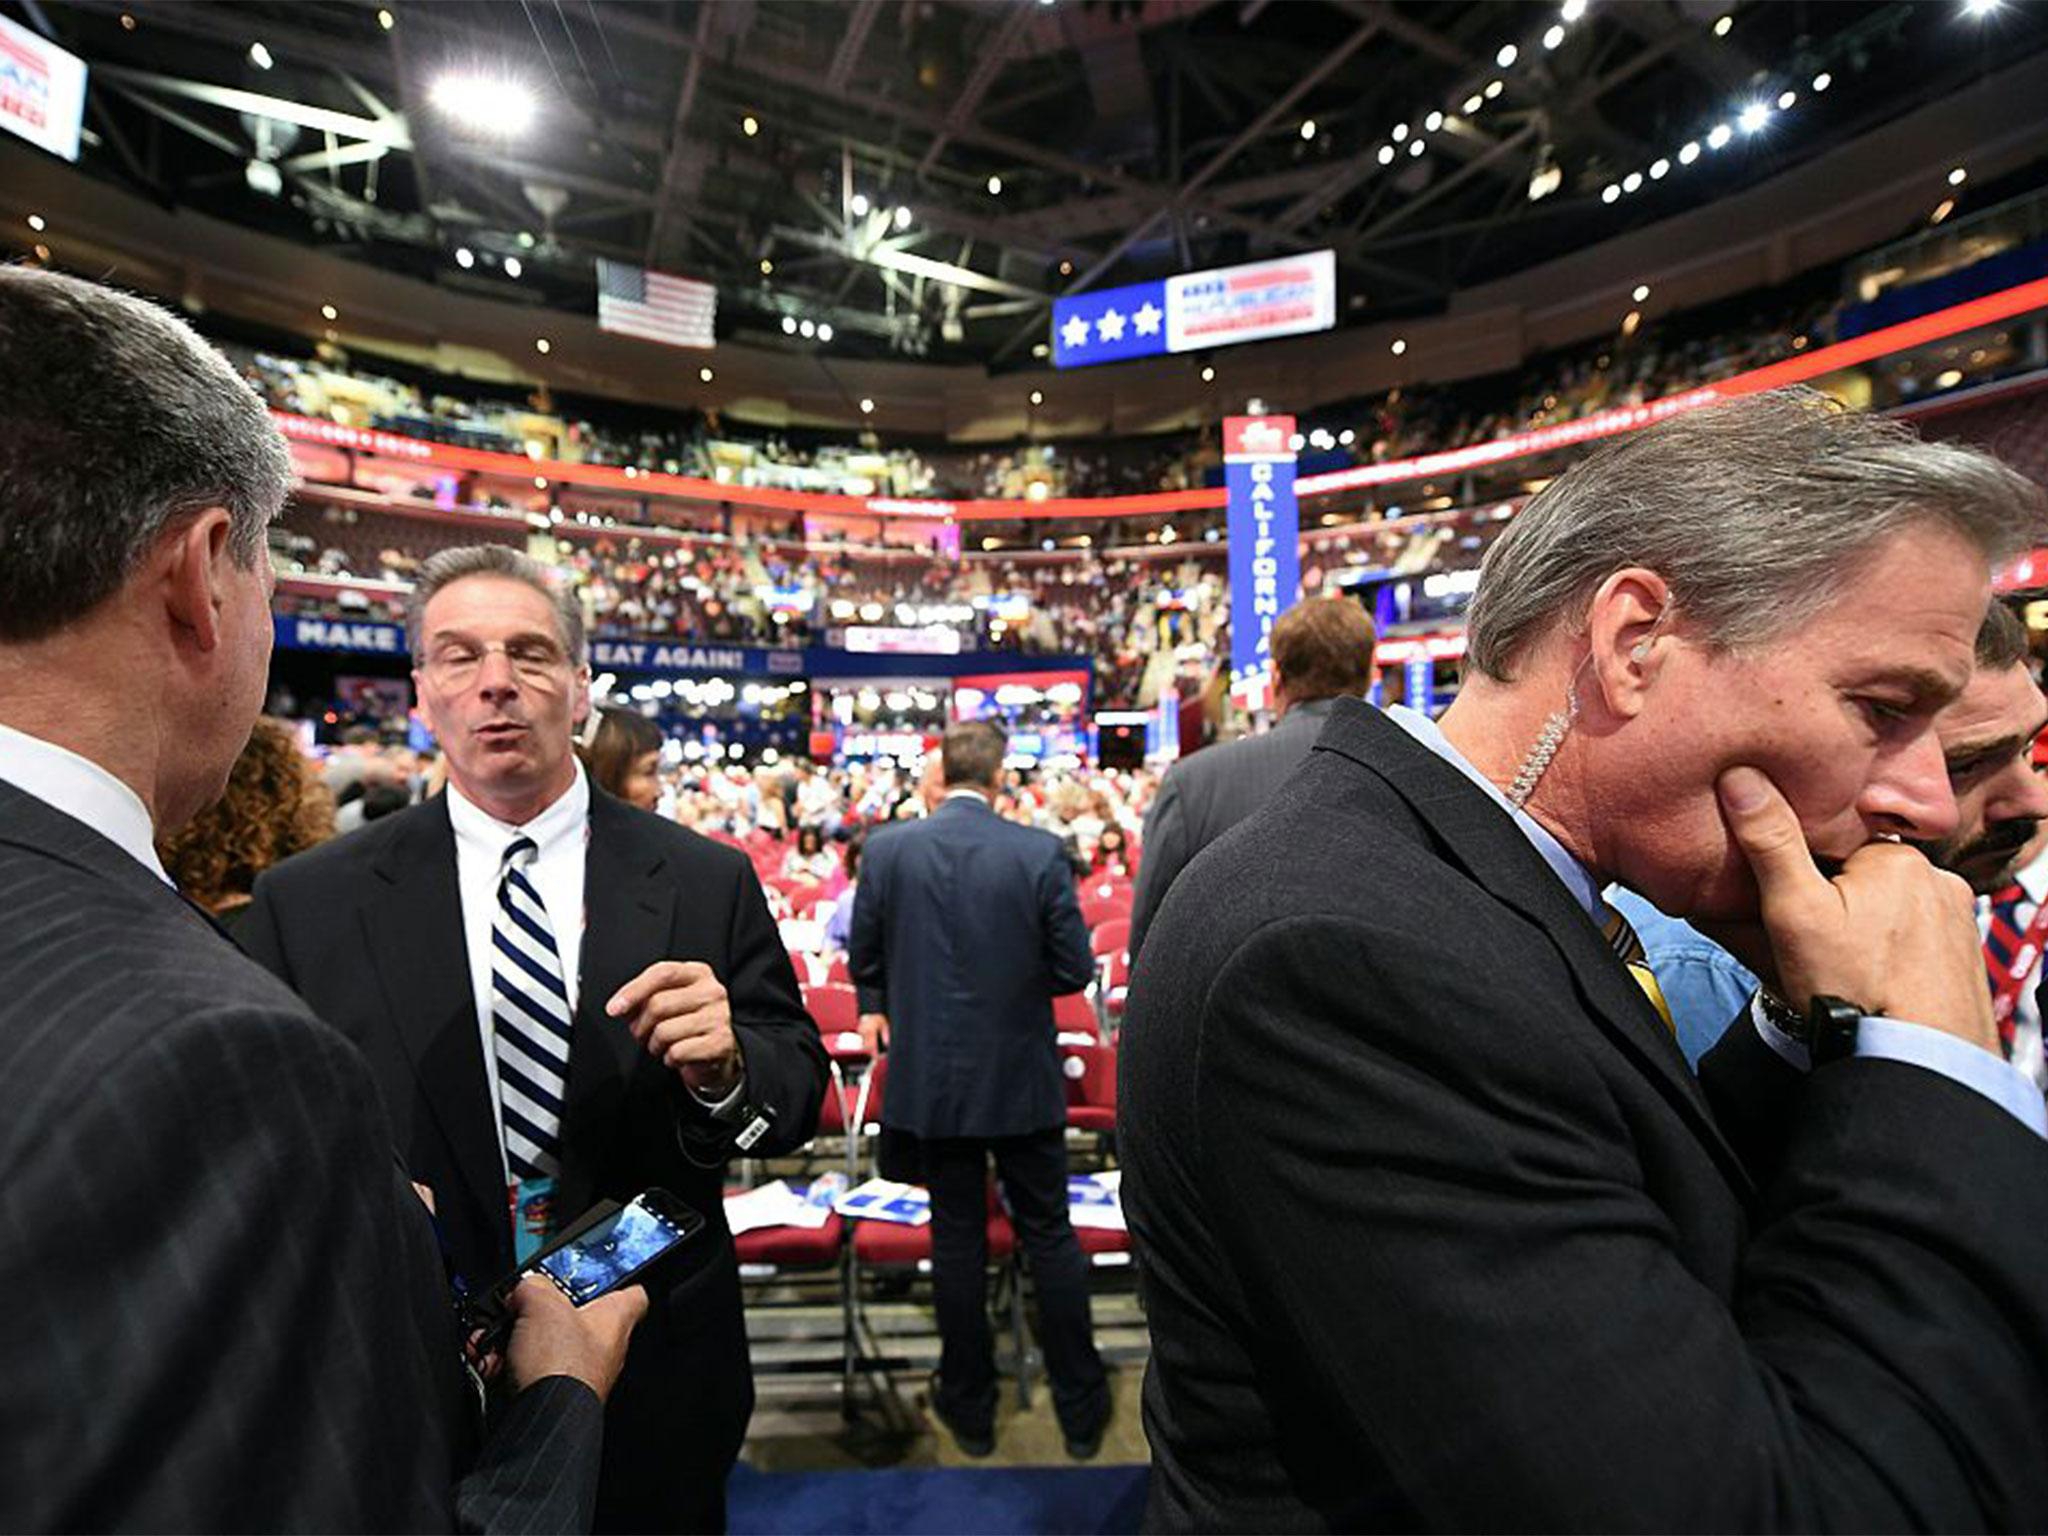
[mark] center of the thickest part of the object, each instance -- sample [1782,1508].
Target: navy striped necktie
[530,1020]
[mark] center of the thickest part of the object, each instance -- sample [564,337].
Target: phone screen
[605,1257]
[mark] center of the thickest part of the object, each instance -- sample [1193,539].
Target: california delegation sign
[1265,527]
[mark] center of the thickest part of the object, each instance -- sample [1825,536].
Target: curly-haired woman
[274,807]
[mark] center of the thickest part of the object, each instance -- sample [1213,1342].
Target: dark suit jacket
[1207,793]
[1438,1231]
[965,927]
[368,928]
[228,1312]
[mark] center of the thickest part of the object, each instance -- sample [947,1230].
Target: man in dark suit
[229,1312]
[1322,652]
[965,929]
[1437,1229]
[563,999]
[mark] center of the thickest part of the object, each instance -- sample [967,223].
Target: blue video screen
[603,1258]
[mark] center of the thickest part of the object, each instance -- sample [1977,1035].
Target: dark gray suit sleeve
[1469,1217]
[538,1470]
[1068,955]
[1755,1094]
[867,939]
[1163,852]
[257,935]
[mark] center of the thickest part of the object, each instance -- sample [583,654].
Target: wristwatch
[1828,1029]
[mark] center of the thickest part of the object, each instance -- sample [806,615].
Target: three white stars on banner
[1109,326]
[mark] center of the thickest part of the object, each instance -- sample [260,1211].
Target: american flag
[634,302]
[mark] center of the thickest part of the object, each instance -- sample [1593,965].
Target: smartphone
[607,1247]
[613,1251]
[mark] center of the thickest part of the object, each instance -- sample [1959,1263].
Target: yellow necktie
[1629,949]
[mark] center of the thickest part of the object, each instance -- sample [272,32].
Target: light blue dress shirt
[1878,1038]
[1707,988]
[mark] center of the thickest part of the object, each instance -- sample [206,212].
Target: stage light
[1554,38]
[1038,397]
[1611,193]
[328,312]
[1399,346]
[1400,133]
[1308,128]
[485,104]
[465,258]
[1434,121]
[1415,148]
[260,56]
[1473,103]
[705,375]
[35,222]
[789,325]
[1822,81]
[1573,10]
[1690,153]
[767,267]
[1720,135]
[386,20]
[1494,88]
[1958,176]
[867,407]
[902,217]
[859,205]
[1631,181]
[1786,99]
[1724,26]
[750,125]
[1642,292]
[995,186]
[824,330]
[1507,55]
[1979,7]
[1660,169]
[1753,117]
[514,266]
[1208,375]
[542,345]
[1386,155]
[806,329]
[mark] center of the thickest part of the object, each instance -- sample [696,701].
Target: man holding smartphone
[229,1309]
[563,999]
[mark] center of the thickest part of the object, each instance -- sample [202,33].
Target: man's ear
[192,562]
[1627,635]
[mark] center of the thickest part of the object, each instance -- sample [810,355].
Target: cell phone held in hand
[608,1247]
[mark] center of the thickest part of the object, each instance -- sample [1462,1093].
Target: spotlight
[767,267]
[1415,148]
[1660,169]
[35,222]
[1979,7]
[1041,350]
[482,104]
[386,20]
[328,312]
[1400,346]
[1611,193]
[1066,269]
[859,205]
[542,345]
[465,258]
[867,407]
[1400,133]
[1573,10]
[1553,38]
[1473,103]
[902,217]
[1786,100]
[1690,153]
[824,330]
[260,56]
[1434,121]
[1631,181]
[1386,155]
[705,375]
[995,186]
[789,325]
[1208,375]
[1308,128]
[1753,117]
[1038,397]
[514,266]
[1507,55]
[1721,134]
[1494,88]
[750,125]
[1724,26]
[1641,293]
[806,329]
[1958,176]
[1822,81]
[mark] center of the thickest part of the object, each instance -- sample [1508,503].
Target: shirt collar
[965,794]
[82,790]
[566,817]
[1576,877]
[2033,879]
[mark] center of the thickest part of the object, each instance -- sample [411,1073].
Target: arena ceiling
[923,177]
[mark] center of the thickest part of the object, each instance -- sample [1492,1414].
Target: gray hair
[1756,511]
[117,421]
[452,565]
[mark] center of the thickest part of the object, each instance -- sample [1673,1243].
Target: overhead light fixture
[1690,153]
[1415,147]
[1724,26]
[263,177]
[1720,136]
[514,266]
[902,216]
[1822,81]
[328,312]
[1041,350]
[1038,397]
[1066,269]
[1347,437]
[1631,181]
[1786,100]
[1308,128]
[705,375]
[42,251]
[260,56]
[1942,210]
[1507,55]
[824,330]
[465,258]
[1573,10]
[1400,346]
[1642,292]
[789,325]
[767,267]
[995,186]
[35,222]
[1208,375]
[1386,155]
[526,239]
[542,345]
[867,407]
[1473,103]
[806,329]
[500,106]
[386,20]
[1958,176]
[1554,38]
[1434,121]
[1753,117]
[859,205]
[1546,180]
[1659,169]
[1979,7]
[1494,88]
[750,125]
[1611,193]
[1400,132]
[1631,321]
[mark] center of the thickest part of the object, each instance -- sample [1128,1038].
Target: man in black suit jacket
[1437,1229]
[229,1311]
[686,1035]
[965,928]
[1322,652]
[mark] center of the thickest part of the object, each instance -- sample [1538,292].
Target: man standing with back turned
[965,928]
[227,1311]
[1438,1231]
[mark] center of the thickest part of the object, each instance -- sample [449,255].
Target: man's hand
[874,1033]
[1891,933]
[553,1337]
[680,1012]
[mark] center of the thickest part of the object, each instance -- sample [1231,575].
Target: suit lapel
[415,933]
[628,915]
[1484,840]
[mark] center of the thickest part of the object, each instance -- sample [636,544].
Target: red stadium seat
[1074,1013]
[836,1012]
[1112,937]
[1116,984]
[1097,910]
[1090,1073]
[837,974]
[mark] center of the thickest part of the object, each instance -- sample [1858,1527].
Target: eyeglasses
[456,663]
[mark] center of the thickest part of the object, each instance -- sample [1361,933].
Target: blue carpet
[942,1501]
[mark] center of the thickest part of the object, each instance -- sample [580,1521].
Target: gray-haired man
[1438,1229]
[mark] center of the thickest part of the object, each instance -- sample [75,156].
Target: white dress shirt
[1879,1038]
[82,790]
[561,834]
